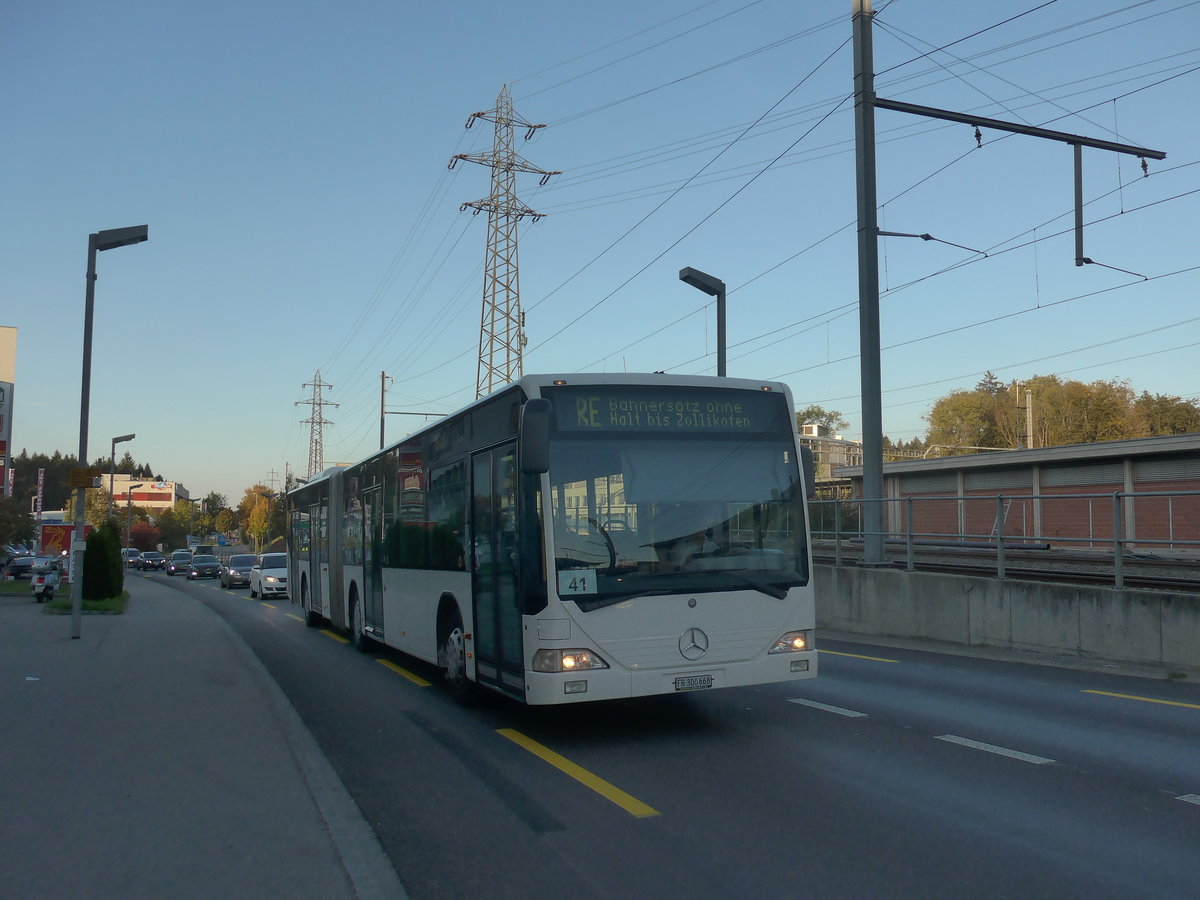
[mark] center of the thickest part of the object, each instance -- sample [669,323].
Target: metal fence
[1160,524]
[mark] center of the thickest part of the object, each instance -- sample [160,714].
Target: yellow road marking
[336,637]
[613,794]
[290,616]
[272,605]
[1145,699]
[858,656]
[415,679]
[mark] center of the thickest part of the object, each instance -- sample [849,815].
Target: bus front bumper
[542,688]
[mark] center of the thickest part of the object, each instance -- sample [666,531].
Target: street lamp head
[121,237]
[697,279]
[124,437]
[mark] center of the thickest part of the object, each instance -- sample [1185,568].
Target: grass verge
[14,588]
[115,605]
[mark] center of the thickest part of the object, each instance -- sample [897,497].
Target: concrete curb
[367,866]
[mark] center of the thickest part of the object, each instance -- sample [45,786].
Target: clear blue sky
[291,162]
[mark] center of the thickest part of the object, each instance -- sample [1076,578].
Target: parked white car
[268,576]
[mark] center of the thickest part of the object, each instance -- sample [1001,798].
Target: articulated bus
[575,537]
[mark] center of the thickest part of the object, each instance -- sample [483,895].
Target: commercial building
[152,495]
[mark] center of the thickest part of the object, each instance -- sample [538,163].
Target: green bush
[95,567]
[103,574]
[116,565]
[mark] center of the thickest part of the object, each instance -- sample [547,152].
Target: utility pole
[865,103]
[316,422]
[502,324]
[383,379]
[1022,439]
[1029,419]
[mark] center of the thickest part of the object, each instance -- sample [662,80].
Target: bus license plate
[693,682]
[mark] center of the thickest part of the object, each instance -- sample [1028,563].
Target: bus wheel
[311,619]
[454,649]
[357,636]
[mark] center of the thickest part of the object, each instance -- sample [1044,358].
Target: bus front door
[316,539]
[373,560]
[497,630]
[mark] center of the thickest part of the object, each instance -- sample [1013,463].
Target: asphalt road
[893,774]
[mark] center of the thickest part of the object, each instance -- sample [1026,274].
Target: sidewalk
[156,757]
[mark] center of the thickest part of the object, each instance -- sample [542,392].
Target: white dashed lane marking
[851,713]
[992,748]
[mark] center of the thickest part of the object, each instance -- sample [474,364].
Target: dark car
[152,559]
[179,563]
[20,568]
[237,570]
[204,566]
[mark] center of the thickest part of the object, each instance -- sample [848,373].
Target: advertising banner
[56,539]
[6,410]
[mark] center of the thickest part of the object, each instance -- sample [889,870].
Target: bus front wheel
[454,652]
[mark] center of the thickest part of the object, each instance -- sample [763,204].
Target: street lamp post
[99,241]
[192,514]
[129,509]
[714,287]
[112,467]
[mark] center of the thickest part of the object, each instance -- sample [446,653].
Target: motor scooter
[44,581]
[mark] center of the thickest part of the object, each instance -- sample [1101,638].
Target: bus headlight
[566,661]
[792,642]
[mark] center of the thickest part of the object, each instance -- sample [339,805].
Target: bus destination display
[605,408]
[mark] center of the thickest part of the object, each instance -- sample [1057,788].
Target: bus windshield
[675,511]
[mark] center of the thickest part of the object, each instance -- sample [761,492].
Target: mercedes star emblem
[693,643]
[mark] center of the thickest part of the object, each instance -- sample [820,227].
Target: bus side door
[494,565]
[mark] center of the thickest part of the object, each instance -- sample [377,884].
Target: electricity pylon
[502,324]
[316,422]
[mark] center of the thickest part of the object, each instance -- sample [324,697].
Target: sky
[291,161]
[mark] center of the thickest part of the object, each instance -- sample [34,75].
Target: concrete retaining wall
[1147,627]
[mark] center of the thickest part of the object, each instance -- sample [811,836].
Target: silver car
[236,572]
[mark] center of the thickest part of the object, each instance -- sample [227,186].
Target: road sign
[84,477]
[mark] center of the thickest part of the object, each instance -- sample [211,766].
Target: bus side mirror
[809,466]
[534,436]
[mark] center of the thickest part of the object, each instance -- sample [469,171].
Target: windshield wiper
[609,599]
[769,588]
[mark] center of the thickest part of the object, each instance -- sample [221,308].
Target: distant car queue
[265,574]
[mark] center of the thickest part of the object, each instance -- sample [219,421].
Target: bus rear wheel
[311,619]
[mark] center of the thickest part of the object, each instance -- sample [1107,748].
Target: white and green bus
[575,537]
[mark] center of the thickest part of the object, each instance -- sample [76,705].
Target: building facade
[151,495]
[1144,491]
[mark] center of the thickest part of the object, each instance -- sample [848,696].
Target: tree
[15,523]
[990,384]
[144,536]
[1155,414]
[172,530]
[1063,412]
[817,415]
[963,419]
[214,503]
[226,521]
[95,506]
[257,524]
